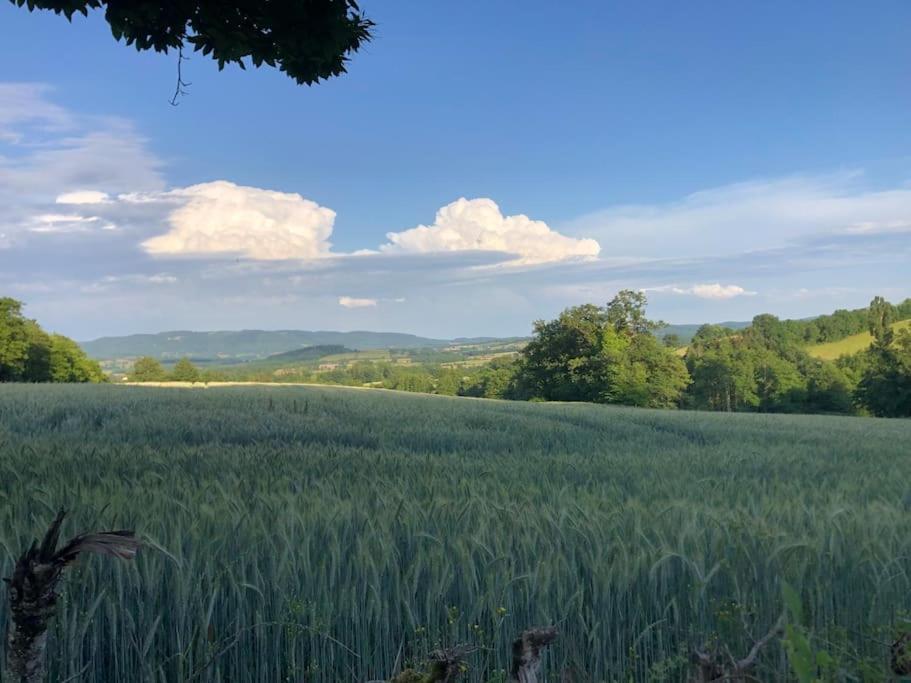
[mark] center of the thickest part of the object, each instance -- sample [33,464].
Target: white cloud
[223,218]
[83,197]
[352,302]
[58,223]
[713,290]
[49,156]
[750,216]
[28,104]
[478,225]
[719,291]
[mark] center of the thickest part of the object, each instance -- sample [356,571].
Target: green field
[323,534]
[850,345]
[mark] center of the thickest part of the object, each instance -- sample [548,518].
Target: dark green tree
[885,388]
[308,40]
[147,369]
[185,371]
[601,355]
[881,317]
[723,374]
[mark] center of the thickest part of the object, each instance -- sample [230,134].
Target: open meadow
[329,534]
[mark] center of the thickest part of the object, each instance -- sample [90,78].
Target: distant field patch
[849,345]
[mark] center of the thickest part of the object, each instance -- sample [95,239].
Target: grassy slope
[849,345]
[357,519]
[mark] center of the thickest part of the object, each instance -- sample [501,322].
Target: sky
[482,165]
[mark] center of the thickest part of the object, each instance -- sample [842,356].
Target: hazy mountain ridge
[245,343]
[255,344]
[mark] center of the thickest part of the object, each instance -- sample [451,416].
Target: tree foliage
[762,368]
[602,355]
[885,386]
[308,40]
[29,354]
[147,369]
[185,371]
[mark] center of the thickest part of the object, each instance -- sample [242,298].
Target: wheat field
[325,534]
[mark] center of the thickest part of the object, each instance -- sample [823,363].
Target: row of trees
[148,369]
[29,354]
[610,355]
[840,324]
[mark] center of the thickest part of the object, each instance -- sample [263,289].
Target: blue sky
[728,158]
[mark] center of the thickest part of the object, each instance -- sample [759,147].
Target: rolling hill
[225,346]
[244,344]
[849,345]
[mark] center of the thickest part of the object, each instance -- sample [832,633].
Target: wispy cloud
[713,290]
[353,302]
[750,216]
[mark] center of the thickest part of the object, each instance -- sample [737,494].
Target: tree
[881,315]
[14,341]
[38,360]
[723,375]
[495,380]
[68,362]
[885,388]
[626,313]
[601,355]
[672,341]
[309,40]
[185,371]
[147,369]
[29,354]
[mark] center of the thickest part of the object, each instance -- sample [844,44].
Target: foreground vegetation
[323,534]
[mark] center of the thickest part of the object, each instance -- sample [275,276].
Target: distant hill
[849,345]
[687,332]
[245,344]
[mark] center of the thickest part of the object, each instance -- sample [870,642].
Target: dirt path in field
[215,385]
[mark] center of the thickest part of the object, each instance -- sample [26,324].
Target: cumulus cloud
[223,218]
[352,302]
[713,290]
[478,225]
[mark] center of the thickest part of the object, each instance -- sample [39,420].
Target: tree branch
[526,653]
[32,591]
[181,89]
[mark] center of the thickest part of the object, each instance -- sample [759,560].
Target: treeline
[840,324]
[611,354]
[29,354]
